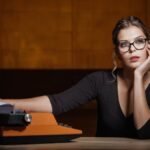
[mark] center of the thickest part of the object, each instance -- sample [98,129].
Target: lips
[134,58]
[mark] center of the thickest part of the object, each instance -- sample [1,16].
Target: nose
[132,48]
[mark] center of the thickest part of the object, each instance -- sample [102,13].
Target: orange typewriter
[18,127]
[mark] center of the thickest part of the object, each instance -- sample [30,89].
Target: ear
[117,60]
[117,54]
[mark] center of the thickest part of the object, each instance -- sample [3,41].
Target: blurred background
[47,46]
[62,34]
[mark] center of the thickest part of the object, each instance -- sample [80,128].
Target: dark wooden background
[62,34]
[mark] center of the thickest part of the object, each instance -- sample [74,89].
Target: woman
[123,98]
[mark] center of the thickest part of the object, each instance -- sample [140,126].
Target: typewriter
[19,127]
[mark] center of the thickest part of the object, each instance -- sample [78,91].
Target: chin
[134,65]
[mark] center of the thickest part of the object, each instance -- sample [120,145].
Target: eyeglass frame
[130,44]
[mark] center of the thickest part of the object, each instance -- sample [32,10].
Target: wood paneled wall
[62,34]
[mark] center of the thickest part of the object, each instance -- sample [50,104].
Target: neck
[128,76]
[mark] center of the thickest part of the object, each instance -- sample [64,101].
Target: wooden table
[86,143]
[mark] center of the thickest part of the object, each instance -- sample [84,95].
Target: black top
[103,87]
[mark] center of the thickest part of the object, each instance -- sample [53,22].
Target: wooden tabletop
[87,143]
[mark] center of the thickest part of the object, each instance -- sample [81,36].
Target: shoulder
[101,75]
[105,76]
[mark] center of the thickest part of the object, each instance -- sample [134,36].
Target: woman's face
[132,55]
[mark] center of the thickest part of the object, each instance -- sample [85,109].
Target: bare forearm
[141,108]
[36,104]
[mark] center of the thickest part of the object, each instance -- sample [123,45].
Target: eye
[124,44]
[139,41]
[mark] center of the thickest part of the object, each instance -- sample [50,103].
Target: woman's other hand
[145,66]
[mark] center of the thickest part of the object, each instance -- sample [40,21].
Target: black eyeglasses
[139,44]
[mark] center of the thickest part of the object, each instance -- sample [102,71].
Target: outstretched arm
[36,104]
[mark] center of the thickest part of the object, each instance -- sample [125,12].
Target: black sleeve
[144,132]
[82,92]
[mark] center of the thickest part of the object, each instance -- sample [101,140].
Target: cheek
[143,54]
[123,59]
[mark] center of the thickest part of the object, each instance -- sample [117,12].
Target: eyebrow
[134,39]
